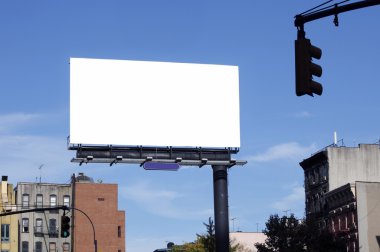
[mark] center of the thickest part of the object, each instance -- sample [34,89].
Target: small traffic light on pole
[65,226]
[305,68]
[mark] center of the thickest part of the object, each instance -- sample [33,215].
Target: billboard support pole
[222,239]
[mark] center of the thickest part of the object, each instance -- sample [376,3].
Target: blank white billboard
[125,102]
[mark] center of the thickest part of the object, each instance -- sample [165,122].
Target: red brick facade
[100,203]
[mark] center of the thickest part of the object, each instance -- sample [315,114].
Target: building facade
[331,188]
[354,215]
[334,167]
[100,203]
[342,217]
[39,230]
[8,224]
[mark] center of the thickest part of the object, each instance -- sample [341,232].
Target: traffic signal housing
[65,226]
[306,69]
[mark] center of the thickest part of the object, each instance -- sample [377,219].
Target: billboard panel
[125,102]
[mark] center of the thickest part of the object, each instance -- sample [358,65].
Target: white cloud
[294,201]
[21,156]
[9,121]
[161,202]
[292,150]
[302,114]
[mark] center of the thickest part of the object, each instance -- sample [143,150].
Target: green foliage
[205,242]
[288,234]
[208,239]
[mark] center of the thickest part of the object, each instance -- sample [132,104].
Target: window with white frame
[53,200]
[52,247]
[25,200]
[38,226]
[39,201]
[66,200]
[66,247]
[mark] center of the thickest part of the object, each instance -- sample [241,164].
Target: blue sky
[278,129]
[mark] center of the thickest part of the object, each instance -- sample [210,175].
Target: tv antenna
[40,168]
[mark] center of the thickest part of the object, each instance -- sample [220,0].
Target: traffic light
[65,226]
[305,68]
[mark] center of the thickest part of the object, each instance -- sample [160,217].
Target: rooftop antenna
[40,168]
[233,224]
[335,138]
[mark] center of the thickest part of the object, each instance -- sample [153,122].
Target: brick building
[354,215]
[100,203]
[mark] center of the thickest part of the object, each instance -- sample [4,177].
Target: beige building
[9,224]
[247,239]
[39,231]
[338,202]
[334,167]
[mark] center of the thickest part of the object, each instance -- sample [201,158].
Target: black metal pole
[222,232]
[302,19]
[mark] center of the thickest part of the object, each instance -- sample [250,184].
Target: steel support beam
[222,231]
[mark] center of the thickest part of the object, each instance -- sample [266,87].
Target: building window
[5,232]
[66,247]
[53,200]
[25,200]
[25,225]
[119,231]
[25,246]
[39,201]
[38,226]
[53,227]
[38,247]
[66,200]
[52,247]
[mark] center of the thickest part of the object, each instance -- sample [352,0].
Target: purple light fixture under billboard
[161,166]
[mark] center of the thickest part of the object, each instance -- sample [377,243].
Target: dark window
[38,247]
[53,227]
[5,232]
[25,246]
[25,225]
[119,231]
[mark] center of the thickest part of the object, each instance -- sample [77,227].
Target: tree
[282,235]
[208,239]
[205,242]
[286,234]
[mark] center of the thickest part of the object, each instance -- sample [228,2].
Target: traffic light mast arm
[93,228]
[42,209]
[302,19]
